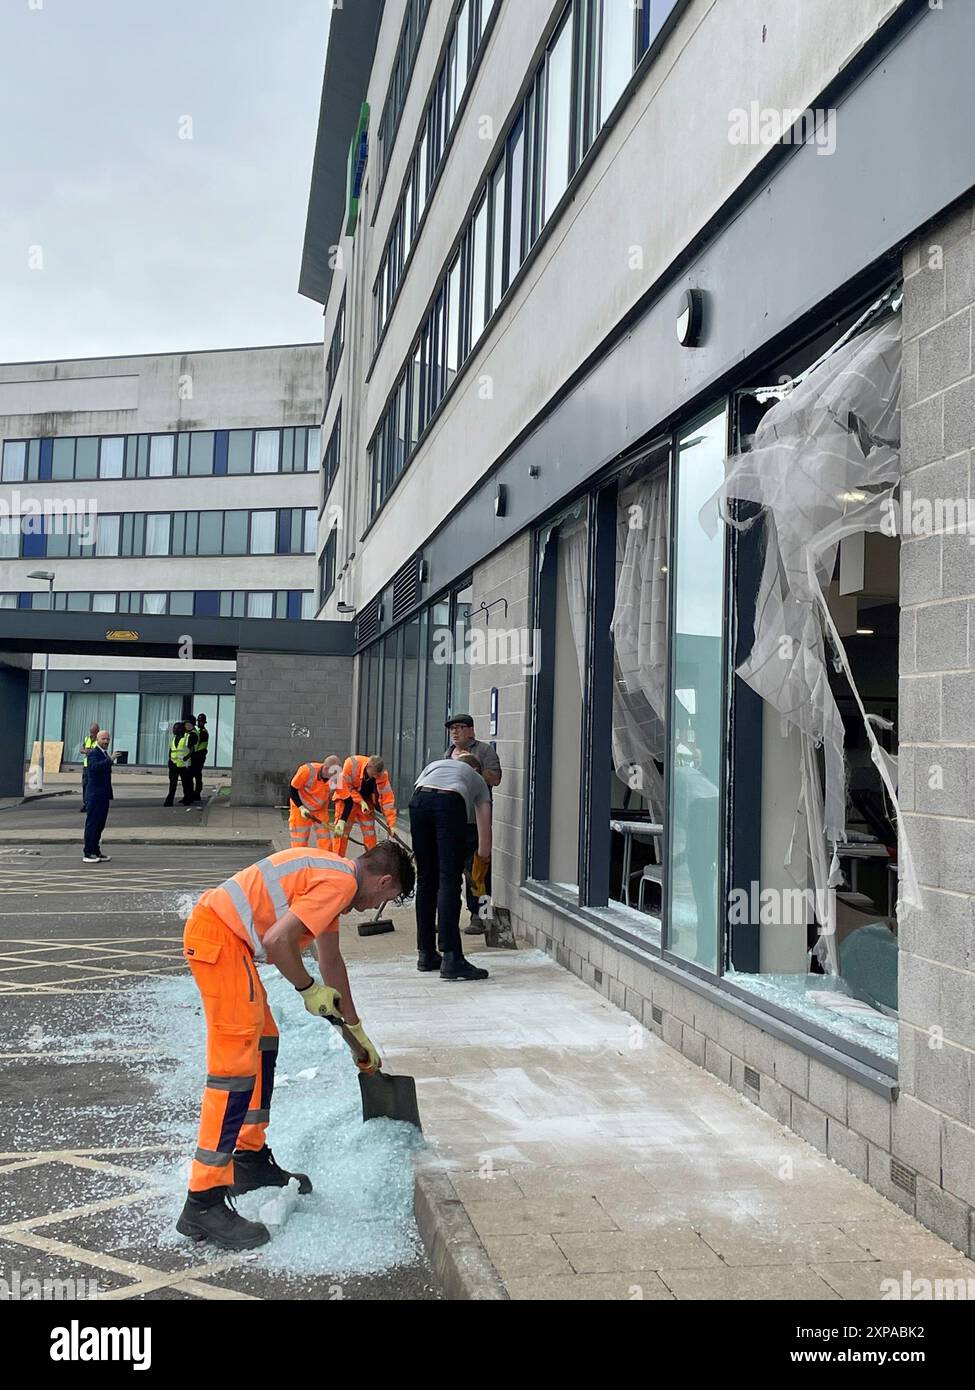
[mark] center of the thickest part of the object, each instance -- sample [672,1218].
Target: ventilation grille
[367,623]
[657,1014]
[406,588]
[166,682]
[902,1177]
[753,1079]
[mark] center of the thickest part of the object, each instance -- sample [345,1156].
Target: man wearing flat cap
[460,730]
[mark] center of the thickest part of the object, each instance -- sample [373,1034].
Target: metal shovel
[384,1097]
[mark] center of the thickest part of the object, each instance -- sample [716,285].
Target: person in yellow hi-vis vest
[311,803]
[181,748]
[363,786]
[87,744]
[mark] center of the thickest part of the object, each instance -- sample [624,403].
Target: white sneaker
[104,858]
[90,859]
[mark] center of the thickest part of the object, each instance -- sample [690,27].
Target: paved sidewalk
[138,816]
[573,1154]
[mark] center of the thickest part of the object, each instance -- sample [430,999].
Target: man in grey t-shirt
[449,794]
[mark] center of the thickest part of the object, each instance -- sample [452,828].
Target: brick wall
[934,1128]
[290,710]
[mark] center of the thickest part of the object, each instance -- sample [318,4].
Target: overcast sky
[148,242]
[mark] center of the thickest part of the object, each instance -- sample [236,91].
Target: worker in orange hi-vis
[311,802]
[272,911]
[363,787]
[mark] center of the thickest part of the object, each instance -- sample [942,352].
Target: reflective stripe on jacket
[311,786]
[349,787]
[319,885]
[179,751]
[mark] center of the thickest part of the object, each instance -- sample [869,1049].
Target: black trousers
[84,786]
[438,827]
[97,815]
[184,776]
[198,760]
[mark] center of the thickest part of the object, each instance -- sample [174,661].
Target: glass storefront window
[460,680]
[697,712]
[224,742]
[156,718]
[438,654]
[125,735]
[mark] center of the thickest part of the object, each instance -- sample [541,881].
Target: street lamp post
[48,577]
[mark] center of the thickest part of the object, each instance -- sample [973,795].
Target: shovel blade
[389,1098]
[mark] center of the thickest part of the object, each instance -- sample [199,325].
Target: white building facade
[584,265]
[181,484]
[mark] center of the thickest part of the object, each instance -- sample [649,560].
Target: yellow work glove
[373,1062]
[364,807]
[479,871]
[305,814]
[322,1000]
[339,829]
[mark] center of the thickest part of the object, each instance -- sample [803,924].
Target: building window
[111,459]
[558,115]
[697,711]
[157,533]
[327,567]
[14,462]
[437,122]
[160,456]
[335,349]
[333,454]
[267,451]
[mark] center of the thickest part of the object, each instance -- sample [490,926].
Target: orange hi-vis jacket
[349,788]
[315,791]
[317,886]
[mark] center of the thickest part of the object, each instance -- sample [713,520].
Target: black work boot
[429,960]
[457,967]
[253,1170]
[212,1216]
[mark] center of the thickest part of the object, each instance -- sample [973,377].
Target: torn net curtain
[824,464]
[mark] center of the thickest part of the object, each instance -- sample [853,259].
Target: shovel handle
[358,1051]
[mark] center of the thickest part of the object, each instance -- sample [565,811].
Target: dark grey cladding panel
[903,153]
[353,30]
[213,639]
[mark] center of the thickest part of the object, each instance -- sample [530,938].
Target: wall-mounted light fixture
[345,607]
[690,318]
[501,500]
[86,680]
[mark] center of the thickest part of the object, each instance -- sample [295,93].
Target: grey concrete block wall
[933,1129]
[290,710]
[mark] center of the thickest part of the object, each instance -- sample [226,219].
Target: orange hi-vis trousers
[301,829]
[242,1048]
[368,825]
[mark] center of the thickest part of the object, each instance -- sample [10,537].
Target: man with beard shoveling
[272,911]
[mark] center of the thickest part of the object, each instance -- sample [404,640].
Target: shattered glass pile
[358,1220]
